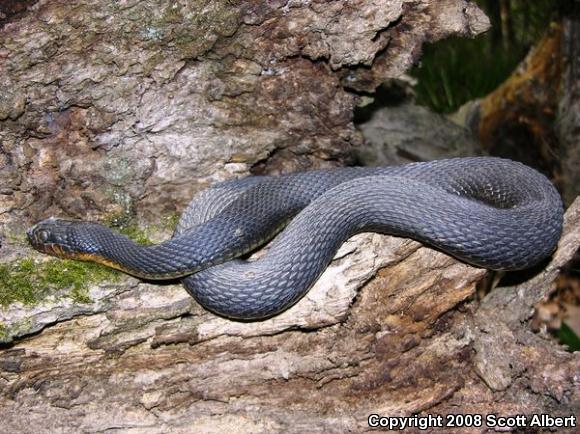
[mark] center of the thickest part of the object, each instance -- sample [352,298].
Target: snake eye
[43,236]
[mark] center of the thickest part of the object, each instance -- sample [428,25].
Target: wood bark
[132,106]
[407,133]
[517,120]
[533,116]
[569,107]
[414,339]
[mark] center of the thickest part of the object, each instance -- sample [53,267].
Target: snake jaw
[52,237]
[50,249]
[65,239]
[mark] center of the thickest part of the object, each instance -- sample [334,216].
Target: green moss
[458,70]
[134,232]
[170,222]
[125,224]
[198,33]
[75,276]
[3,332]
[16,283]
[28,282]
[172,14]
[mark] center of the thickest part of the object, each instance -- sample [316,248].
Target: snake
[489,212]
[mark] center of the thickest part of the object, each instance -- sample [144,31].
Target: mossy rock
[29,282]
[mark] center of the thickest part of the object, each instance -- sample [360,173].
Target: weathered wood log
[133,106]
[568,117]
[147,357]
[517,120]
[407,132]
[532,116]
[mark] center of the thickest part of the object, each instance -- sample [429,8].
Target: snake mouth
[57,237]
[49,238]
[51,249]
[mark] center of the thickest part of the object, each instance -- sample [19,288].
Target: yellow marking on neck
[58,251]
[91,257]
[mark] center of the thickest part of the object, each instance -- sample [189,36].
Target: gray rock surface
[407,132]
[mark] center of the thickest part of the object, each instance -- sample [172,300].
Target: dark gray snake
[489,212]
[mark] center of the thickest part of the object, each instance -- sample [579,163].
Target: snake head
[63,238]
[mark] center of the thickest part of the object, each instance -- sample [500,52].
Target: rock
[406,133]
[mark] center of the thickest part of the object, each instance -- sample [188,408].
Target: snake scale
[489,212]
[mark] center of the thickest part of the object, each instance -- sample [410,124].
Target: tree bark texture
[533,116]
[132,107]
[114,106]
[146,357]
[569,108]
[407,133]
[518,119]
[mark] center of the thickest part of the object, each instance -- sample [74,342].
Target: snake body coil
[490,212]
